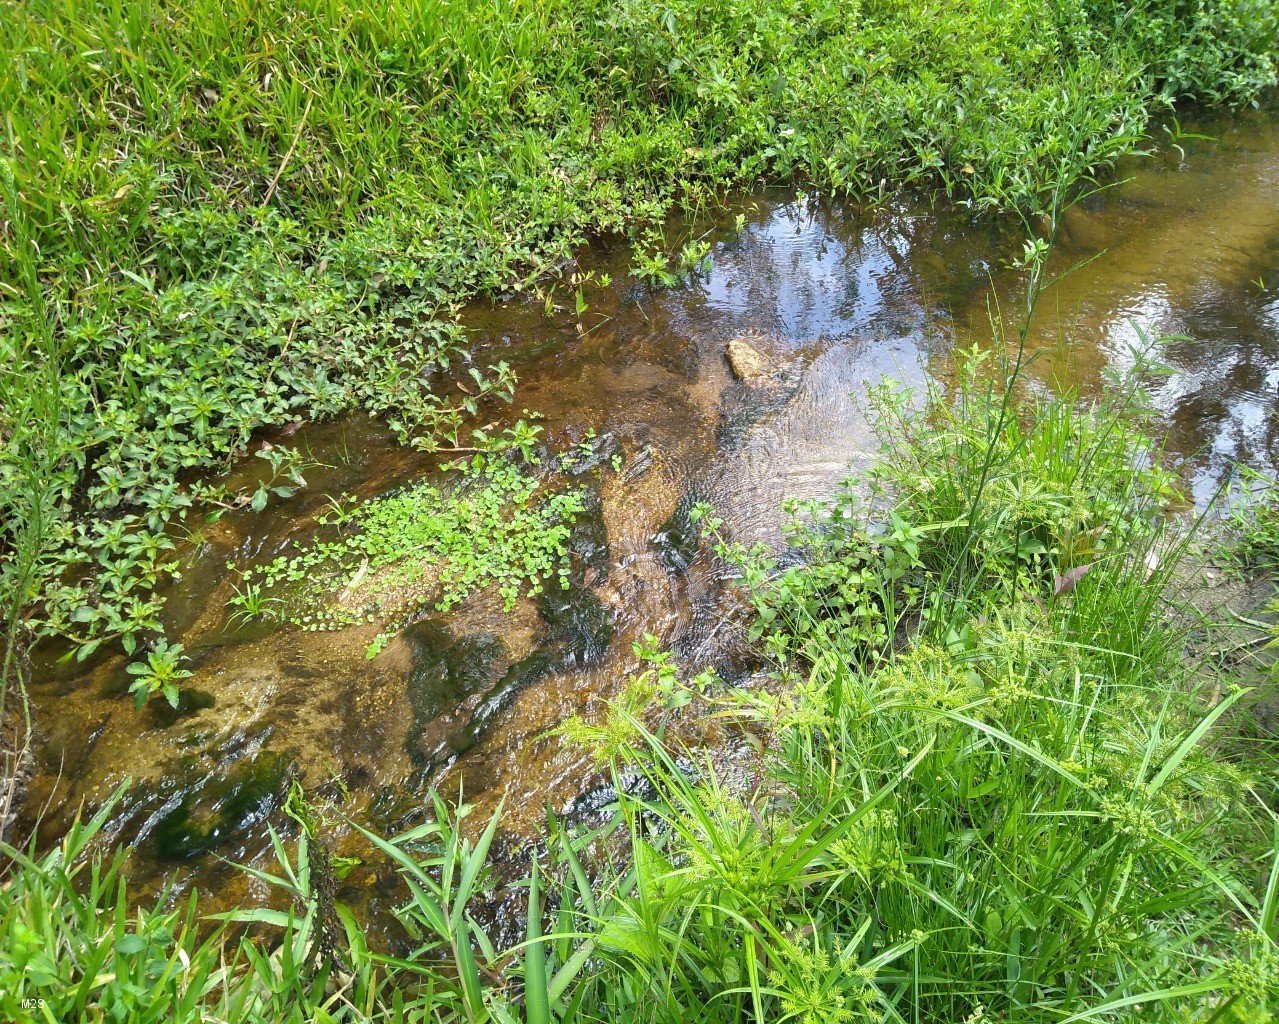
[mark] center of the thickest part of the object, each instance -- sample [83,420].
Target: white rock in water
[745,360]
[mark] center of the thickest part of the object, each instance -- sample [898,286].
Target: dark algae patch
[445,672]
[577,631]
[223,807]
[678,539]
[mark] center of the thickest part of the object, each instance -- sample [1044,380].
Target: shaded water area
[833,296]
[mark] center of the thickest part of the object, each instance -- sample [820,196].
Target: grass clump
[1251,543]
[991,786]
[1014,499]
[1252,523]
[74,949]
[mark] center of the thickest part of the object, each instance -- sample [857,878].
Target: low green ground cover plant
[190,381]
[490,521]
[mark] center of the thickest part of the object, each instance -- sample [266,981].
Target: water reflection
[1187,248]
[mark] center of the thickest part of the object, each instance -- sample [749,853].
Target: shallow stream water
[834,296]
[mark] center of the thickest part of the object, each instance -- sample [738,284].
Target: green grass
[994,645]
[1252,523]
[448,130]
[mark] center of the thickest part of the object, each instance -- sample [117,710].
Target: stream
[834,296]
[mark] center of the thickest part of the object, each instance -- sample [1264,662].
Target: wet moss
[588,541]
[580,627]
[224,807]
[446,670]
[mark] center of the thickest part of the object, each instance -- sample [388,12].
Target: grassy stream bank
[990,781]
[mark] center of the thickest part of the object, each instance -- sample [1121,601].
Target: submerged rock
[67,742]
[745,360]
[580,626]
[678,539]
[600,454]
[588,542]
[755,398]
